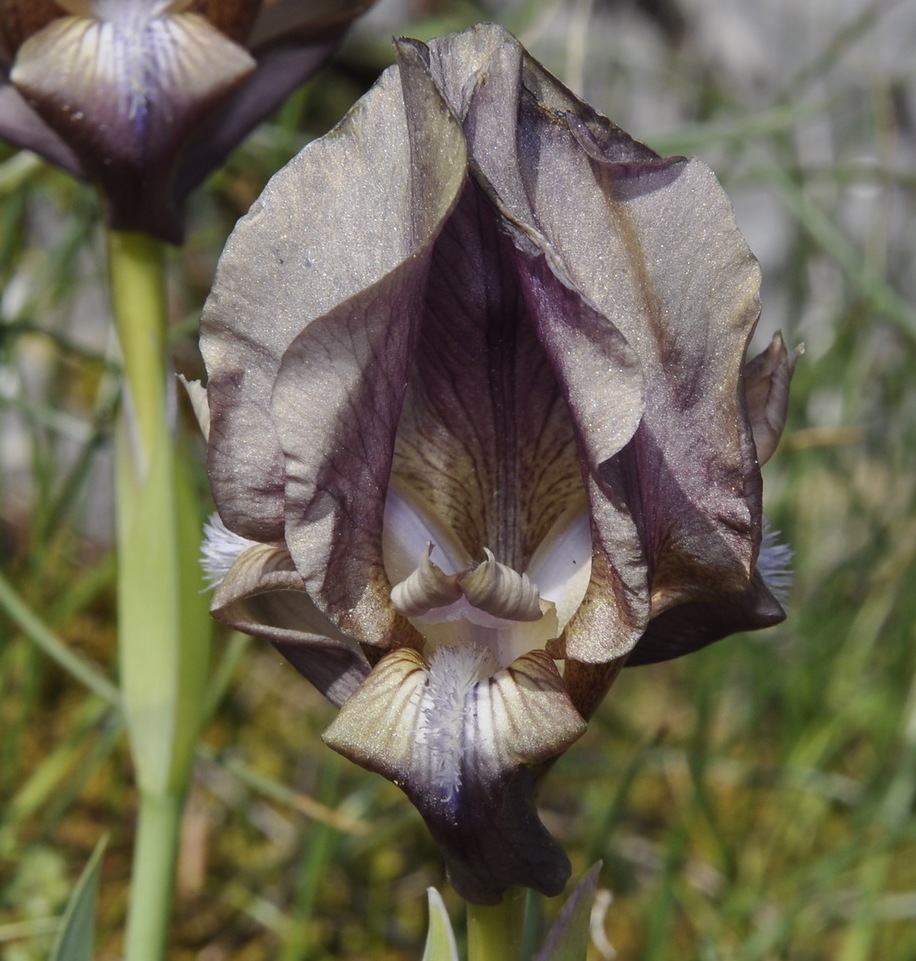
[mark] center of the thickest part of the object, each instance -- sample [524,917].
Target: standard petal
[653,244]
[125,93]
[679,283]
[602,385]
[356,259]
[263,595]
[487,438]
[462,748]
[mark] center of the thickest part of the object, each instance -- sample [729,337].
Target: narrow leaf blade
[76,938]
[569,934]
[440,939]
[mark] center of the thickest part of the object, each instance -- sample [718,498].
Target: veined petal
[262,594]
[586,387]
[426,588]
[653,244]
[291,40]
[501,592]
[689,626]
[326,324]
[462,745]
[22,18]
[766,392]
[125,93]
[488,436]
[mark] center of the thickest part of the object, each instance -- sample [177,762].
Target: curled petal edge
[263,595]
[466,751]
[766,393]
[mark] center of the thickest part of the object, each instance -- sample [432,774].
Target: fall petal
[291,40]
[690,626]
[766,392]
[262,594]
[125,93]
[20,125]
[462,748]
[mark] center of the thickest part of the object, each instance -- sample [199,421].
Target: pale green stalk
[163,626]
[495,931]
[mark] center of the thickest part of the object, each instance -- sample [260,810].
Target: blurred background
[752,802]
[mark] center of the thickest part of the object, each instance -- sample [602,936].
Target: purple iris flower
[482,431]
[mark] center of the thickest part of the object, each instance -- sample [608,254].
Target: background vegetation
[753,802]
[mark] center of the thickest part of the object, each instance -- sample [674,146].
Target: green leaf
[440,939]
[76,938]
[569,934]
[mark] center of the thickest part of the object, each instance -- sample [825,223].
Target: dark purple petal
[332,292]
[653,244]
[465,754]
[263,595]
[125,94]
[280,70]
[485,439]
[688,627]
[20,125]
[603,392]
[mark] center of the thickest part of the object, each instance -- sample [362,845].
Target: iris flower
[481,431]
[146,97]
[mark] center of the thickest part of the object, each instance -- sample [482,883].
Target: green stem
[495,931]
[137,278]
[155,850]
[163,626]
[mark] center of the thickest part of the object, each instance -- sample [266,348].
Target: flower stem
[163,626]
[153,876]
[495,931]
